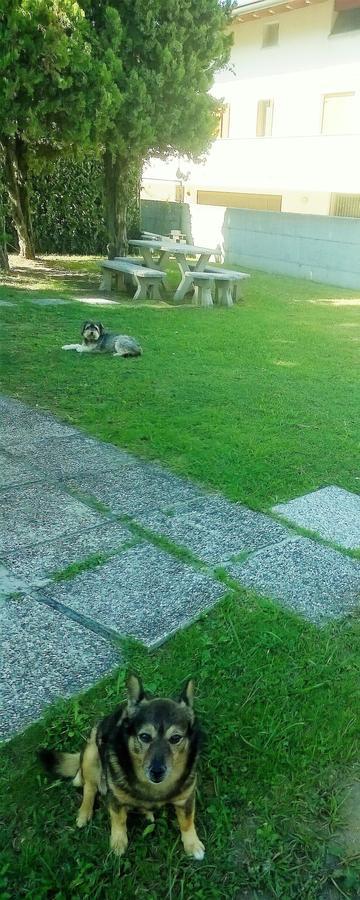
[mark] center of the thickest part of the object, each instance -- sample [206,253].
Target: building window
[347,16]
[271,35]
[338,114]
[224,122]
[345,205]
[264,121]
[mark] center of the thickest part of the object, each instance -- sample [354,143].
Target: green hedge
[67,209]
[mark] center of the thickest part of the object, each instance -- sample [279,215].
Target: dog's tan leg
[185,816]
[86,809]
[91,777]
[118,837]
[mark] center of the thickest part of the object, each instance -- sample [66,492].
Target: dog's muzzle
[157,772]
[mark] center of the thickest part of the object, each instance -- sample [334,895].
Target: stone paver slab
[36,513]
[36,564]
[8,583]
[144,593]
[22,426]
[332,512]
[140,486]
[45,657]
[214,529]
[49,301]
[310,579]
[14,471]
[67,457]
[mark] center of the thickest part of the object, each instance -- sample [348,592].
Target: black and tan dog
[142,756]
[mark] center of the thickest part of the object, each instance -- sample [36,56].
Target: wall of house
[297,161]
[317,248]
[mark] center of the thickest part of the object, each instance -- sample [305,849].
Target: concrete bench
[233,291]
[203,284]
[148,282]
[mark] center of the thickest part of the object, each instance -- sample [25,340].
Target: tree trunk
[120,185]
[17,185]
[4,261]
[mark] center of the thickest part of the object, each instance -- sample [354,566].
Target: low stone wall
[318,248]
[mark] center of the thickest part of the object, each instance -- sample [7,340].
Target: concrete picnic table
[167,249]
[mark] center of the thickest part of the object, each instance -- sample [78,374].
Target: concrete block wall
[318,248]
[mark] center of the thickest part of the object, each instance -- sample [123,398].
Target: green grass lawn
[262,402]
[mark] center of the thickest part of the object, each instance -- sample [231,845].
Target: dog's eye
[175,738]
[144,737]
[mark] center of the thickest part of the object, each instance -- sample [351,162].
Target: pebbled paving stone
[332,512]
[37,513]
[34,565]
[22,427]
[144,593]
[45,657]
[75,455]
[49,301]
[9,584]
[140,486]
[214,529]
[14,471]
[315,581]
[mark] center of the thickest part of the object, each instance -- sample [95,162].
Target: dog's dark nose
[157,771]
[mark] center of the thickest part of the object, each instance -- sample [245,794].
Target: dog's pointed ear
[100,327]
[187,694]
[84,324]
[135,691]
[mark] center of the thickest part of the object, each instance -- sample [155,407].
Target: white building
[290,133]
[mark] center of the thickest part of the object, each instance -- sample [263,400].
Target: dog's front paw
[118,842]
[84,816]
[194,847]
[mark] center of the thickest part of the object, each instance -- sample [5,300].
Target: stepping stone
[214,529]
[6,303]
[33,514]
[332,512]
[77,454]
[96,301]
[35,565]
[45,657]
[50,301]
[140,486]
[22,427]
[310,579]
[15,472]
[8,584]
[144,593]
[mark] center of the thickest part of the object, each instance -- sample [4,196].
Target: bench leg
[106,280]
[223,293]
[141,288]
[156,290]
[238,291]
[120,281]
[203,296]
[185,286]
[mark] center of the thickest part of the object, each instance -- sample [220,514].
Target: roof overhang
[259,9]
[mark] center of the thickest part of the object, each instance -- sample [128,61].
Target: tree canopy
[130,78]
[55,94]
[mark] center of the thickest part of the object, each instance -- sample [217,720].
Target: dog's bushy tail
[64,764]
